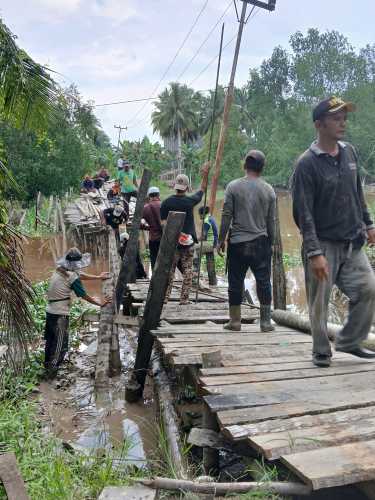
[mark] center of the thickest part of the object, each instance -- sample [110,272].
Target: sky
[116,50]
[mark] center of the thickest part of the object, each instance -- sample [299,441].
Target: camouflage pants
[185,256]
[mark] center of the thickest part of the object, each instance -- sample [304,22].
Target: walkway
[266,393]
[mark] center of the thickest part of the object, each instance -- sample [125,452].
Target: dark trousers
[127,196]
[256,255]
[154,250]
[56,336]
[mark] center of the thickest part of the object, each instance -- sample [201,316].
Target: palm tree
[176,116]
[28,95]
[28,98]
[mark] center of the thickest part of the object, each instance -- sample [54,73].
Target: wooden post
[210,455]
[50,205]
[37,209]
[114,266]
[154,304]
[102,370]
[62,225]
[227,106]
[211,271]
[278,271]
[11,478]
[128,265]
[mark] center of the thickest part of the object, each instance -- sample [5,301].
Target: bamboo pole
[227,106]
[209,159]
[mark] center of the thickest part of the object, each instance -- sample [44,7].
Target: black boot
[265,319]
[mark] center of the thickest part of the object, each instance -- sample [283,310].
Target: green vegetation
[49,470]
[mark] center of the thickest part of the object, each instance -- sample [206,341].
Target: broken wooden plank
[288,409]
[245,378]
[334,466]
[11,477]
[238,432]
[275,444]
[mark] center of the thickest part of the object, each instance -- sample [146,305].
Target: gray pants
[350,270]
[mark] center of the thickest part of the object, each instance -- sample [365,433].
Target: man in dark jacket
[181,202]
[330,210]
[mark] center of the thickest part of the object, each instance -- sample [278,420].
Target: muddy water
[39,258]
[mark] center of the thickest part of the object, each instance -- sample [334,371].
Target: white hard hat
[153,190]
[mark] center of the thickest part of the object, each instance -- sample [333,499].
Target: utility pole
[270,5]
[120,129]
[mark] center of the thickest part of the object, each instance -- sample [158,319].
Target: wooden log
[278,271]
[128,265]
[11,478]
[169,417]
[300,322]
[154,303]
[219,489]
[210,455]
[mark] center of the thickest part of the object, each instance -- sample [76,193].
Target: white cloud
[117,11]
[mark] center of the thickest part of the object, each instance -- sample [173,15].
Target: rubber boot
[265,319]
[235,319]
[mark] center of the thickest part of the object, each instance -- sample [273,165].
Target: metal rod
[209,155]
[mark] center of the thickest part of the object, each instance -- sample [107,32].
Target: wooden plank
[222,338]
[11,478]
[334,466]
[319,390]
[221,380]
[288,409]
[274,366]
[244,357]
[239,432]
[275,444]
[175,331]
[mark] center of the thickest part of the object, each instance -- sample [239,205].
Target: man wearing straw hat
[63,282]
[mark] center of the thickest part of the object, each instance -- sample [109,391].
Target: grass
[48,469]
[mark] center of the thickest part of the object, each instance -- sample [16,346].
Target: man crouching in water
[65,280]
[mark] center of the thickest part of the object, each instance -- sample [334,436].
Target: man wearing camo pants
[181,202]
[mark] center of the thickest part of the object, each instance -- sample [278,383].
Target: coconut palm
[175,116]
[28,98]
[28,95]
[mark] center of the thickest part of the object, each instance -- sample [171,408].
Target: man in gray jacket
[330,210]
[249,216]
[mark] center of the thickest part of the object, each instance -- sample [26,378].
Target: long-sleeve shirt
[250,209]
[328,199]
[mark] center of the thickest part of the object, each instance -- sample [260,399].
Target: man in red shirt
[151,214]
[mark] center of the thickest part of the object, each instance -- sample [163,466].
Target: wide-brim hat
[74,259]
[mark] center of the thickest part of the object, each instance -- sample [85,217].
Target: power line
[133,100]
[204,41]
[225,46]
[173,59]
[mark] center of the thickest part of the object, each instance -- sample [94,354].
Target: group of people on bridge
[329,209]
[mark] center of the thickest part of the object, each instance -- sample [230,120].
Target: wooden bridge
[265,393]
